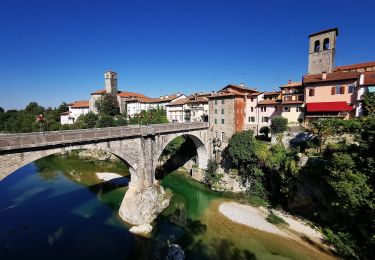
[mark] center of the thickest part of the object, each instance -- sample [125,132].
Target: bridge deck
[40,139]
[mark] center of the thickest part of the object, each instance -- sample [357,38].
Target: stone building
[129,103]
[322,50]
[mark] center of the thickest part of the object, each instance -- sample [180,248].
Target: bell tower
[110,78]
[322,50]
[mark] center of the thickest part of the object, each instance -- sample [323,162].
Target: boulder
[142,206]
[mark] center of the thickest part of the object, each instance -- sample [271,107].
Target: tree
[369,104]
[34,109]
[106,105]
[89,120]
[105,121]
[2,110]
[279,124]
[265,130]
[63,108]
[349,185]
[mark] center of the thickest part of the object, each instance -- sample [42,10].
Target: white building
[76,109]
[193,108]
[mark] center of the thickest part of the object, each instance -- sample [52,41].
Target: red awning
[328,107]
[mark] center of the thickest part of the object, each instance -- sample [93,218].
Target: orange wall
[239,113]
[323,93]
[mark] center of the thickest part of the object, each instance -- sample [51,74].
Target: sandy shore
[253,217]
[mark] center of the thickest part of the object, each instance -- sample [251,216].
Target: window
[251,119]
[263,109]
[215,111]
[300,98]
[222,111]
[311,92]
[299,109]
[252,99]
[351,89]
[222,121]
[222,136]
[215,121]
[265,119]
[275,108]
[338,90]
[222,101]
[317,46]
[215,101]
[287,98]
[252,109]
[326,44]
[286,109]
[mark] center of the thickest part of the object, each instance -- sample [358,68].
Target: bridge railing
[38,139]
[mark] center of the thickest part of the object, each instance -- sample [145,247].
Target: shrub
[343,243]
[279,124]
[276,220]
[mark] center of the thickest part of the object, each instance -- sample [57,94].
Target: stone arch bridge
[140,147]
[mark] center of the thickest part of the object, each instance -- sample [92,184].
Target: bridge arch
[200,146]
[13,162]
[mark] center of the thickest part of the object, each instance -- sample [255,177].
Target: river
[56,208]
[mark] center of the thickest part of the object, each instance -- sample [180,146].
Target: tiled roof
[168,98]
[179,102]
[292,84]
[355,66]
[334,76]
[81,104]
[369,78]
[241,88]
[142,100]
[269,102]
[192,99]
[98,92]
[129,94]
[290,102]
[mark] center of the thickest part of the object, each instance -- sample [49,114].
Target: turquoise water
[56,208]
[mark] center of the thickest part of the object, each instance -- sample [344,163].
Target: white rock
[141,229]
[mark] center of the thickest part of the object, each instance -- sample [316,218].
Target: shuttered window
[311,92]
[333,90]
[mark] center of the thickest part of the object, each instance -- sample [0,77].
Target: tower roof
[326,31]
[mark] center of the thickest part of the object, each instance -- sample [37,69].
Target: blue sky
[54,51]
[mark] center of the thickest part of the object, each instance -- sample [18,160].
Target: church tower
[322,51]
[110,78]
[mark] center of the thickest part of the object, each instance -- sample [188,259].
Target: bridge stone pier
[140,147]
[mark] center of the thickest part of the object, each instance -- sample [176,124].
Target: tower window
[326,44]
[317,46]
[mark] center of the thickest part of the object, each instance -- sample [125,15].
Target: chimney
[212,92]
[324,75]
[361,79]
[289,81]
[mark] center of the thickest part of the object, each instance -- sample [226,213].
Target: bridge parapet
[40,139]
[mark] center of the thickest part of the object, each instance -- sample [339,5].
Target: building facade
[76,109]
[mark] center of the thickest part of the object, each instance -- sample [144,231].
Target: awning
[328,107]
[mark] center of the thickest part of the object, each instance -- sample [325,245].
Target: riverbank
[297,229]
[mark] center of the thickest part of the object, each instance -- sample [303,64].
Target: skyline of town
[203,51]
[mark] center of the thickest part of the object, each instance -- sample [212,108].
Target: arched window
[326,44]
[317,46]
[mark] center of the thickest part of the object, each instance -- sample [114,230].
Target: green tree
[88,120]
[107,106]
[279,124]
[105,121]
[63,108]
[2,110]
[369,104]
[34,109]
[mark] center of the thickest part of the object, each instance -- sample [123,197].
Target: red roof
[334,76]
[369,78]
[81,104]
[129,94]
[355,66]
[328,107]
[98,92]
